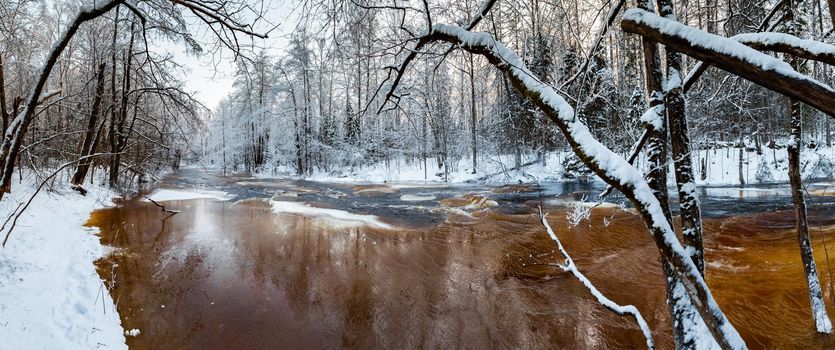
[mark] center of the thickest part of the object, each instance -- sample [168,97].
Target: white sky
[211,77]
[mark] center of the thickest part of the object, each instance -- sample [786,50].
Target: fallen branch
[622,310]
[162,207]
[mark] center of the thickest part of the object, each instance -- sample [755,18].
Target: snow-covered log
[732,56]
[777,42]
[608,165]
[781,42]
[622,310]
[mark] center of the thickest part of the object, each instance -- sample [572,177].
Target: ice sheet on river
[339,216]
[162,195]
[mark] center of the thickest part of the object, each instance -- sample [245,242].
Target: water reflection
[220,275]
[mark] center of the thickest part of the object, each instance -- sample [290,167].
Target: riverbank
[712,167]
[290,268]
[51,296]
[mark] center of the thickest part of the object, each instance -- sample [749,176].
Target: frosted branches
[609,166]
[579,212]
[733,56]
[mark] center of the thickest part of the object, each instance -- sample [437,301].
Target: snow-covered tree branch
[732,56]
[569,266]
[609,166]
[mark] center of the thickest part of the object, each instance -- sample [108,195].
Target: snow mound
[162,195]
[339,216]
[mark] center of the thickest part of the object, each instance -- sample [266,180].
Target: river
[441,266]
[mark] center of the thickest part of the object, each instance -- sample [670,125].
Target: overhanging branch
[609,166]
[732,56]
[790,44]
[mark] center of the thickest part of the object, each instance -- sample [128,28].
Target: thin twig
[162,207]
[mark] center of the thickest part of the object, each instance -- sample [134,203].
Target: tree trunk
[819,315]
[832,12]
[740,162]
[4,112]
[120,137]
[91,133]
[822,322]
[679,306]
[473,124]
[691,221]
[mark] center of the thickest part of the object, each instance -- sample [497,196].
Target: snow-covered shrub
[575,169]
[823,168]
[763,171]
[581,211]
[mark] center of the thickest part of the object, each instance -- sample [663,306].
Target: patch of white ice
[341,216]
[162,195]
[416,198]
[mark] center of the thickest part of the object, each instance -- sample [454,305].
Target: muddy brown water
[235,275]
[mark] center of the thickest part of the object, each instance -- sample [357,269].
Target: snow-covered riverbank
[713,167]
[50,294]
[52,297]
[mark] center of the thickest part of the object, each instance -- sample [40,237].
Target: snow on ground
[50,294]
[333,216]
[721,167]
[493,169]
[162,195]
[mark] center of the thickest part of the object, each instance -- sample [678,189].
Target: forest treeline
[318,106]
[91,86]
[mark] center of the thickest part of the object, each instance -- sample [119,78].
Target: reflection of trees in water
[293,280]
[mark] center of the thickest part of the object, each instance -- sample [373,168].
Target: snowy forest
[652,100]
[323,107]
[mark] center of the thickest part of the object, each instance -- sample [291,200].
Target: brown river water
[454,271]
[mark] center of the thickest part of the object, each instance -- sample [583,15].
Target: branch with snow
[622,310]
[781,42]
[160,206]
[608,165]
[732,56]
[579,213]
[486,5]
[399,71]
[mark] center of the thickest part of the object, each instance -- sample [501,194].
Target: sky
[210,76]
